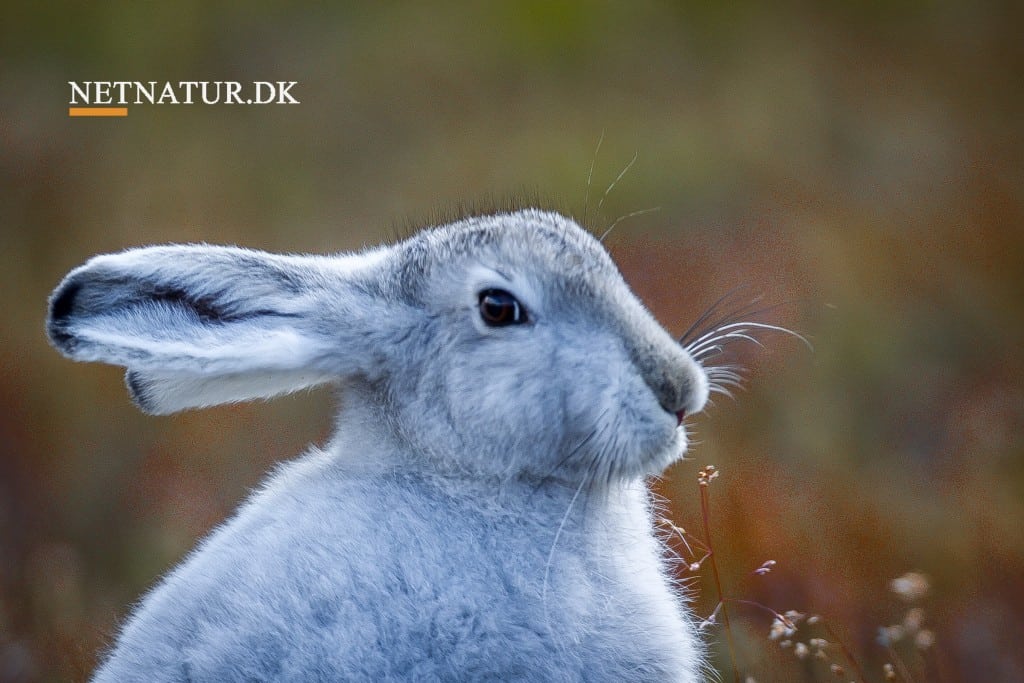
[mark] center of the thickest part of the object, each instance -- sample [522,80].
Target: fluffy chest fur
[291,589]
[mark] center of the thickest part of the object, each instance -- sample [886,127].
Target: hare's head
[506,345]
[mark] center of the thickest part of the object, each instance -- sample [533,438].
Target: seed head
[913,619]
[706,475]
[911,587]
[924,639]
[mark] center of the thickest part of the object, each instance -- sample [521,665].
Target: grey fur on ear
[163,394]
[199,325]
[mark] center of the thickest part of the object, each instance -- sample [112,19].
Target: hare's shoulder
[391,576]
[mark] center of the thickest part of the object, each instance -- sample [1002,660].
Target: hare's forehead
[544,246]
[546,253]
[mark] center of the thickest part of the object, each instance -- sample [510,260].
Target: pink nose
[680,416]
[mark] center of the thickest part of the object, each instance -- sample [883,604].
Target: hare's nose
[680,416]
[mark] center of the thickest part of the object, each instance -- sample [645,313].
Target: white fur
[480,512]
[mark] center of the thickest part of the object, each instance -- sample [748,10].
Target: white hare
[480,512]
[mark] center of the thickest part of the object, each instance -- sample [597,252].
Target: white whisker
[554,544]
[615,182]
[622,218]
[590,175]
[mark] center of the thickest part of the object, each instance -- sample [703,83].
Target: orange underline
[97,111]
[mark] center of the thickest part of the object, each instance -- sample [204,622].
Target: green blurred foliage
[860,160]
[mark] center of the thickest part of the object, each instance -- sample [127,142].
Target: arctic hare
[481,510]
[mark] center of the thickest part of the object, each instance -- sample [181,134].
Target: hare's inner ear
[199,325]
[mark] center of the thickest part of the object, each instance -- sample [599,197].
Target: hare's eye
[498,308]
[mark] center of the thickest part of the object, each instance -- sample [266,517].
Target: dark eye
[498,308]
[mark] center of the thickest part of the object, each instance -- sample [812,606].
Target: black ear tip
[64,300]
[139,390]
[61,306]
[136,388]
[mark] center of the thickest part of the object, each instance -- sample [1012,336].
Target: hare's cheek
[496,400]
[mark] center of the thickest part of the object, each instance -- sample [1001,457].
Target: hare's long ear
[198,325]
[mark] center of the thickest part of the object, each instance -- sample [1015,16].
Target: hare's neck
[369,439]
[367,443]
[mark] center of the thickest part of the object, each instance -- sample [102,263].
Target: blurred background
[860,162]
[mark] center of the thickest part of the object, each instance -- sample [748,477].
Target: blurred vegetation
[862,159]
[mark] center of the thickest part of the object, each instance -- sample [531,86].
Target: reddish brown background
[861,160]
